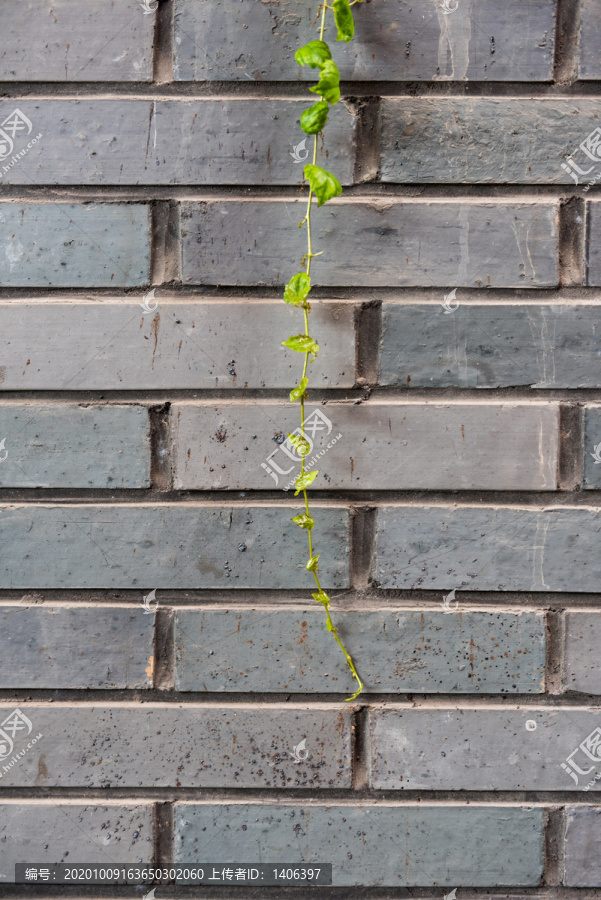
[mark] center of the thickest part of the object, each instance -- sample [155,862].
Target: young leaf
[297,289]
[297,392]
[323,184]
[300,444]
[312,564]
[304,521]
[303,481]
[314,118]
[302,343]
[328,85]
[343,16]
[313,54]
[322,597]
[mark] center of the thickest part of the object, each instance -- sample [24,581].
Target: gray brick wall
[168,689]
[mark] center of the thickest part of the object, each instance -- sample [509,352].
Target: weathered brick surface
[511,244]
[434,140]
[491,446]
[582,867]
[483,41]
[394,650]
[592,447]
[59,647]
[486,345]
[582,641]
[593,258]
[476,749]
[74,446]
[59,831]
[114,345]
[93,40]
[373,845]
[590,35]
[132,142]
[75,244]
[175,746]
[166,546]
[488,548]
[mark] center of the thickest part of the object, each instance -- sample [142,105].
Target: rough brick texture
[582,636]
[583,846]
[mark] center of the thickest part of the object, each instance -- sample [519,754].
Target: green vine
[324,186]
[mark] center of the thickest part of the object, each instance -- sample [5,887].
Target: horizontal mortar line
[353,602]
[141,698]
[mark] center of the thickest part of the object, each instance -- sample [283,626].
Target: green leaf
[313,54]
[302,343]
[304,521]
[321,597]
[343,17]
[312,564]
[297,289]
[328,85]
[297,392]
[300,444]
[303,481]
[314,118]
[323,184]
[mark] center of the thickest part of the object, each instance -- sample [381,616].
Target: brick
[113,345]
[394,651]
[456,140]
[486,345]
[167,546]
[593,252]
[184,746]
[483,41]
[475,749]
[589,67]
[95,40]
[386,845]
[75,244]
[75,446]
[58,647]
[581,662]
[55,831]
[488,549]
[582,866]
[494,447]
[132,142]
[416,243]
[592,447]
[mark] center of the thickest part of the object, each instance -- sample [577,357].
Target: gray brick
[488,548]
[593,253]
[58,647]
[75,244]
[415,242]
[93,40]
[456,140]
[394,651]
[113,345]
[590,36]
[505,447]
[174,746]
[592,447]
[75,446]
[55,831]
[476,749]
[133,142]
[483,41]
[582,640]
[483,345]
[583,847]
[386,845]
[167,546]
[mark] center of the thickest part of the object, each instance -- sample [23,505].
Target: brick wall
[142,446]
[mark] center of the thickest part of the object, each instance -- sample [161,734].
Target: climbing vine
[323,185]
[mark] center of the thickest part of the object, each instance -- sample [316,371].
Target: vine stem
[325,600]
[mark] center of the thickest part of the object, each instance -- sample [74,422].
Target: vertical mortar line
[164,46]
[553,846]
[165,248]
[163,834]
[360,749]
[161,473]
[368,332]
[164,649]
[571,447]
[554,666]
[567,27]
[363,530]
[367,140]
[572,242]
